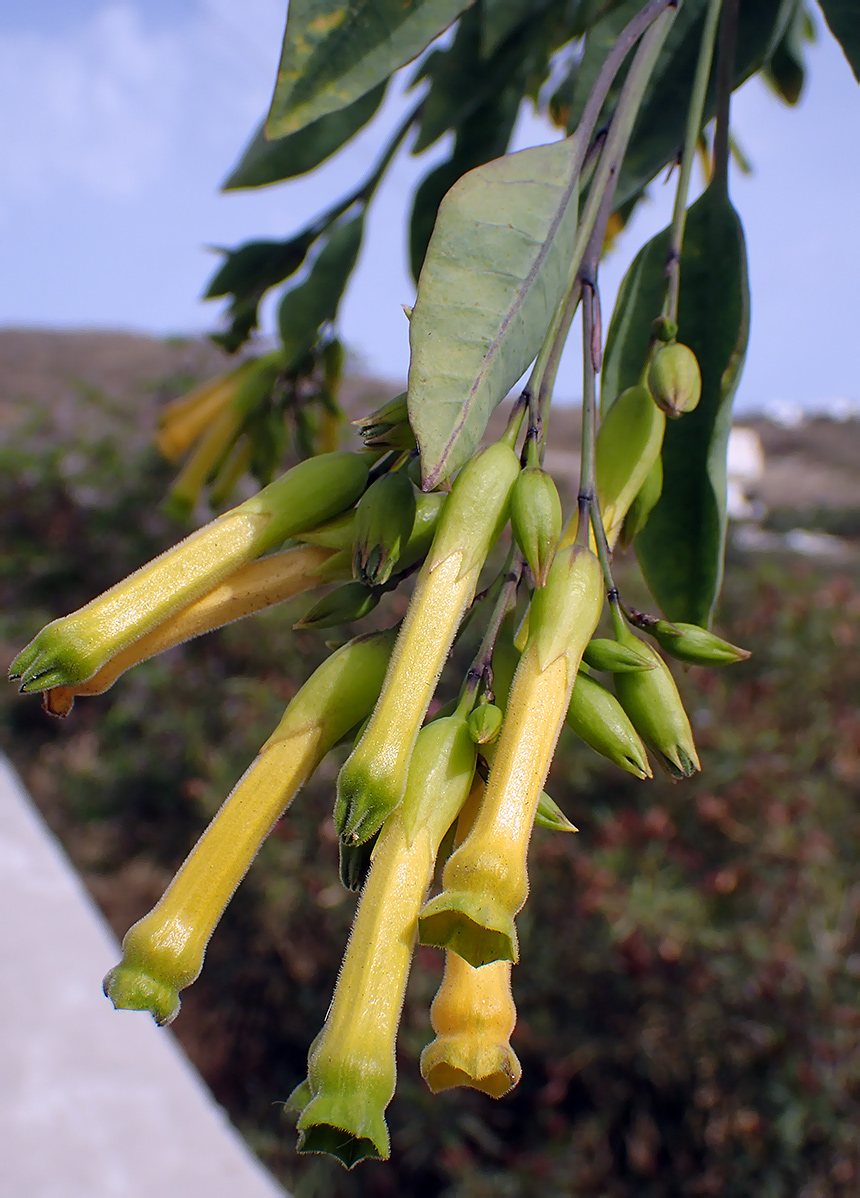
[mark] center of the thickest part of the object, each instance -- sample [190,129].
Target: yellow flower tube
[373,779]
[485,881]
[263,583]
[351,1065]
[72,649]
[473,1013]
[164,951]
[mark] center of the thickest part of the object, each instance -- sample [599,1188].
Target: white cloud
[92,109]
[114,105]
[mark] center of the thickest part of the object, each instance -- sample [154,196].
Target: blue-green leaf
[495,271]
[336,50]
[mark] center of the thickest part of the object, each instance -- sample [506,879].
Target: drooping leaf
[785,71]
[495,271]
[499,19]
[314,302]
[266,161]
[462,80]
[659,131]
[246,275]
[336,50]
[843,19]
[257,266]
[681,547]
[482,136]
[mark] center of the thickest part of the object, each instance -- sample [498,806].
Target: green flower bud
[164,951]
[689,643]
[485,723]
[72,649]
[334,534]
[536,520]
[596,716]
[664,329]
[383,522]
[354,862]
[628,444]
[643,505]
[602,653]
[351,1066]
[372,781]
[549,815]
[352,601]
[388,427]
[654,706]
[428,509]
[674,379]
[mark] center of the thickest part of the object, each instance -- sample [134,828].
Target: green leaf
[499,19]
[336,50]
[462,80]
[258,265]
[314,302]
[659,131]
[247,274]
[785,71]
[495,271]
[266,161]
[482,136]
[681,547]
[843,19]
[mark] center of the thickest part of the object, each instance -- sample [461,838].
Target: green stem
[688,154]
[587,473]
[629,103]
[725,75]
[481,666]
[649,16]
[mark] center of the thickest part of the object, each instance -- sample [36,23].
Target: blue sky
[121,119]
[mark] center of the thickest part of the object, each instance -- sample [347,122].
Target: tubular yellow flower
[72,649]
[373,779]
[485,881]
[252,588]
[164,951]
[351,1065]
[473,1014]
[185,419]
[187,485]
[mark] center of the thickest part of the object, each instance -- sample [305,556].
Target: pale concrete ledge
[93,1103]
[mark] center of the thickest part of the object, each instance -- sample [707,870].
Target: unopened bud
[536,520]
[643,505]
[689,643]
[597,717]
[654,706]
[388,427]
[550,816]
[485,723]
[352,601]
[611,657]
[627,446]
[674,379]
[383,521]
